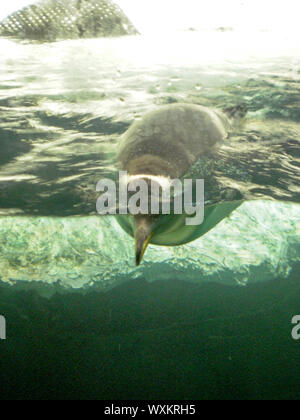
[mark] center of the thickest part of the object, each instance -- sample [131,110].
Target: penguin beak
[143,234]
[142,240]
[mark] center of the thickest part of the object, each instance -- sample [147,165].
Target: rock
[52,20]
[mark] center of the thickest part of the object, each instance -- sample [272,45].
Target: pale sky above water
[149,15]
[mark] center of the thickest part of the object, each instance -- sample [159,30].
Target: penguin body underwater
[161,147]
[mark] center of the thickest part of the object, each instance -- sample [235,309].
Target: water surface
[64,106]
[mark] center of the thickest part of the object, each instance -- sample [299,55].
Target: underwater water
[213,317]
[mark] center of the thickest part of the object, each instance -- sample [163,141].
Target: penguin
[161,147]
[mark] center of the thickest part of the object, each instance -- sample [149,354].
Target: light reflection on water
[65,105]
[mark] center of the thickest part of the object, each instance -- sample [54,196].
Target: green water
[162,340]
[207,320]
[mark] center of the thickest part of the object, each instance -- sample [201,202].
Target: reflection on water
[65,105]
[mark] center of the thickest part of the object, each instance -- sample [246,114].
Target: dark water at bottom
[64,107]
[161,340]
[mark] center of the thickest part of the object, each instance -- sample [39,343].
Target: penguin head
[143,225]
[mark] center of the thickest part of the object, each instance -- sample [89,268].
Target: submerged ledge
[260,241]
